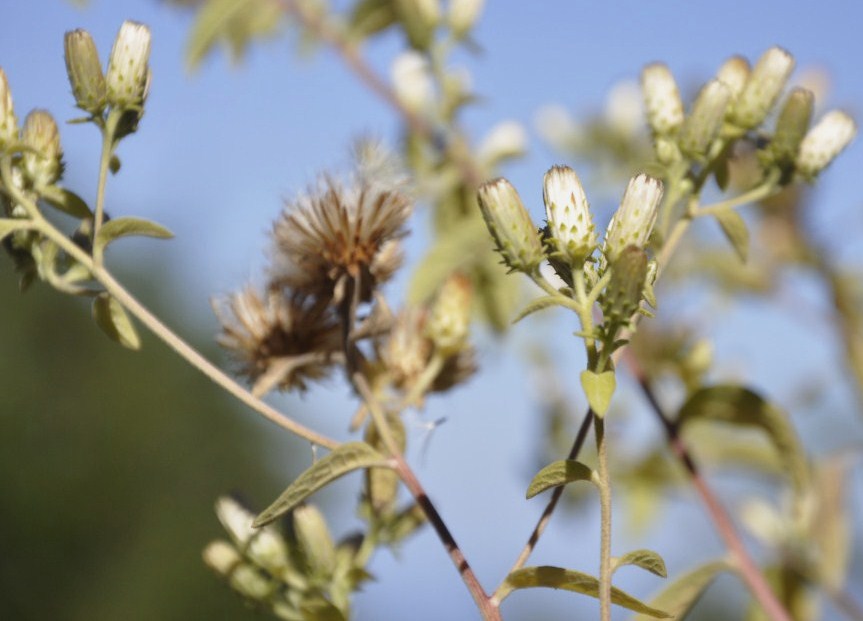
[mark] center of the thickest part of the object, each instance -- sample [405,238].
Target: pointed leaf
[646,559]
[736,231]
[558,473]
[66,201]
[741,406]
[571,580]
[534,306]
[110,315]
[680,596]
[233,23]
[344,459]
[598,388]
[8,225]
[127,226]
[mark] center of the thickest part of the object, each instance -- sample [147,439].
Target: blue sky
[218,151]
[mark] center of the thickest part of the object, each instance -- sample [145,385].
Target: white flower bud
[463,15]
[791,126]
[705,119]
[824,142]
[42,161]
[573,237]
[8,120]
[221,557]
[449,321]
[763,88]
[505,140]
[128,78]
[661,99]
[85,71]
[633,221]
[734,72]
[412,81]
[517,239]
[265,546]
[624,110]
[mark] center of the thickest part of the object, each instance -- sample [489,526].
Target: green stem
[759,192]
[108,130]
[604,485]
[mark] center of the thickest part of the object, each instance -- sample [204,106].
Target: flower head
[85,71]
[827,139]
[42,163]
[518,241]
[8,120]
[762,88]
[633,221]
[128,78]
[572,234]
[661,99]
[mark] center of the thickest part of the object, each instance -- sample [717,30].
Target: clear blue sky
[219,149]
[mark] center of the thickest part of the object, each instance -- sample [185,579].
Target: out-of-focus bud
[463,15]
[763,88]
[827,139]
[412,81]
[41,161]
[313,537]
[517,239]
[449,321]
[624,109]
[221,557]
[419,18]
[661,99]
[625,290]
[705,120]
[265,546]
[8,120]
[633,221]
[734,73]
[128,78]
[505,140]
[85,71]
[573,237]
[792,124]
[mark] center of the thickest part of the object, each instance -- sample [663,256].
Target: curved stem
[757,193]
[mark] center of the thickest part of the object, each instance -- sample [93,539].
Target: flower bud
[419,19]
[412,81]
[661,99]
[449,321]
[8,120]
[463,15]
[791,125]
[222,558]
[824,142]
[517,239]
[734,73]
[624,293]
[41,161]
[633,222]
[504,141]
[763,88]
[264,546]
[128,77]
[573,237]
[705,119]
[85,71]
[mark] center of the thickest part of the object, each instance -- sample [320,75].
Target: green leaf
[575,581]
[9,225]
[126,227]
[110,315]
[741,406]
[233,23]
[536,305]
[558,473]
[316,608]
[736,231]
[66,201]
[369,17]
[680,596]
[344,459]
[646,559]
[598,388]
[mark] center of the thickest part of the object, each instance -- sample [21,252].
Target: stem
[604,485]
[757,193]
[104,165]
[748,570]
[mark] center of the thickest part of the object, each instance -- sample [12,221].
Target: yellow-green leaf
[110,315]
[233,23]
[344,459]
[646,559]
[736,231]
[66,201]
[126,227]
[558,473]
[598,388]
[680,596]
[575,581]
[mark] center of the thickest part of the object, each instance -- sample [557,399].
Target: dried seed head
[792,124]
[42,161]
[661,99]
[705,119]
[8,120]
[336,232]
[570,225]
[278,335]
[827,139]
[85,71]
[128,78]
[518,241]
[633,221]
[763,88]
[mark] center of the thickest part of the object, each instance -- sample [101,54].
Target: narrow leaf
[646,559]
[344,459]
[110,315]
[126,227]
[680,596]
[536,305]
[66,201]
[575,581]
[230,22]
[740,406]
[8,225]
[558,473]
[736,231]
[598,388]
